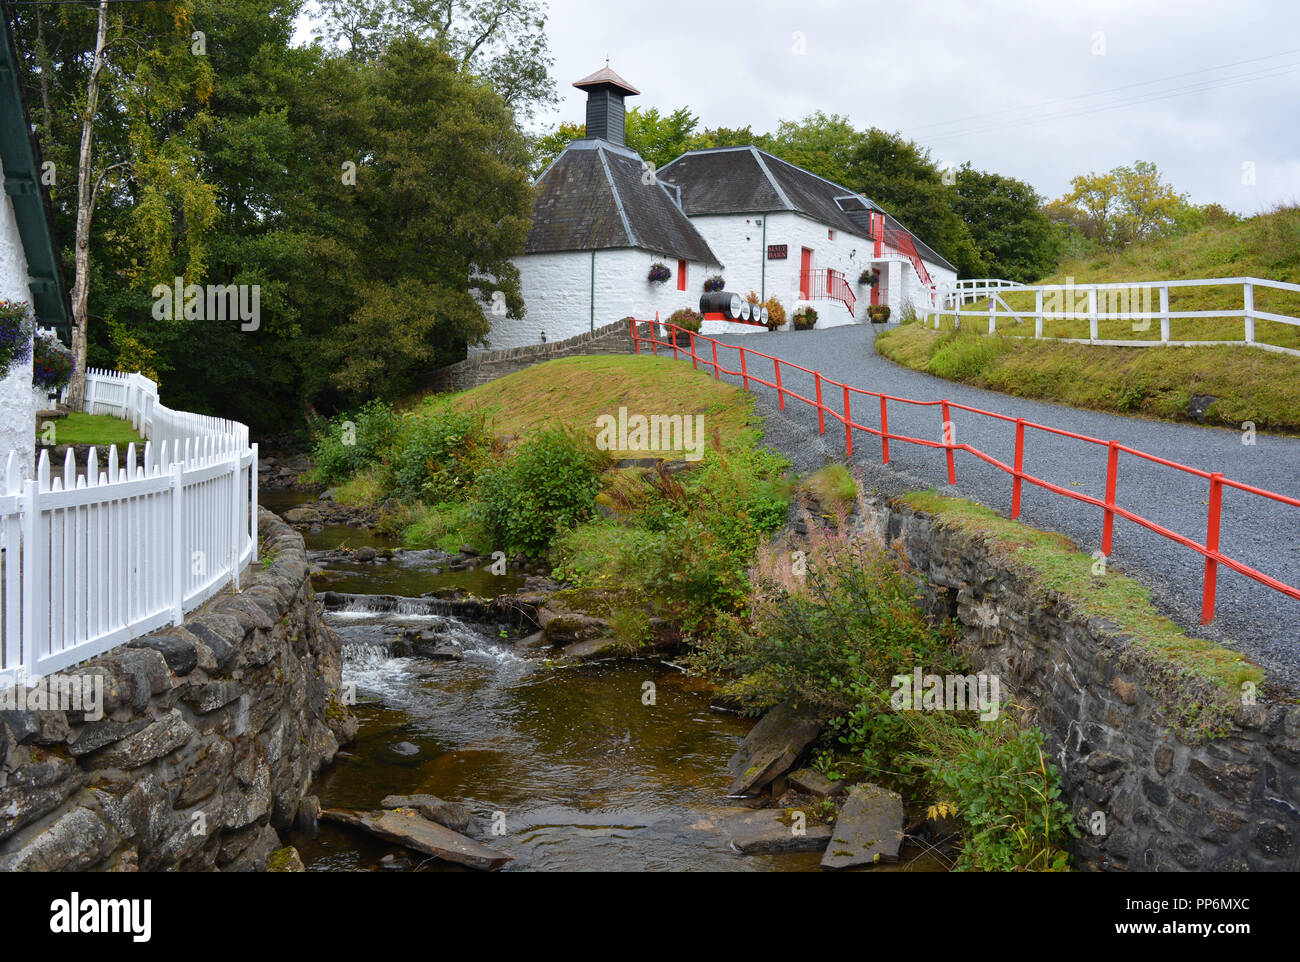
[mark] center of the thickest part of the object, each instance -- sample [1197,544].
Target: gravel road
[1262,533]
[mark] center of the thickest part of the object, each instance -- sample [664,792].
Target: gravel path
[1262,533]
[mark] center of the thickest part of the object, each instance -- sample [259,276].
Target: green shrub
[833,640]
[686,319]
[805,318]
[546,485]
[350,442]
[445,526]
[1001,786]
[684,543]
[441,454]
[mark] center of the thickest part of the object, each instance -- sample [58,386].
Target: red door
[805,273]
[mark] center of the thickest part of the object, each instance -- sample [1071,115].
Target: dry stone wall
[1170,801]
[480,369]
[209,737]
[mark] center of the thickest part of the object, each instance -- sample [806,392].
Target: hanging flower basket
[867,278]
[715,283]
[15,334]
[659,273]
[51,363]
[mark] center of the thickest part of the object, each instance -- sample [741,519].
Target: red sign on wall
[777,252]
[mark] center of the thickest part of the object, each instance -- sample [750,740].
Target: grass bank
[1055,566]
[1249,385]
[98,429]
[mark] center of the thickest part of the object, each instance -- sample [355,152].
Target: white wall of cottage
[17,402]
[558,293]
[558,287]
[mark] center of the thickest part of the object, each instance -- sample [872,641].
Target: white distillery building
[602,217]
[29,268]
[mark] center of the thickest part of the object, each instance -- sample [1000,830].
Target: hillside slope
[1248,385]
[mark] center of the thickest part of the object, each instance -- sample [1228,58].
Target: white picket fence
[96,557]
[1139,303]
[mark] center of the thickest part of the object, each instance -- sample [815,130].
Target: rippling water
[577,768]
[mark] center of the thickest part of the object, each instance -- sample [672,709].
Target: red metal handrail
[828,285]
[901,241]
[1110,509]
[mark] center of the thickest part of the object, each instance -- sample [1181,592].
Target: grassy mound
[575,391]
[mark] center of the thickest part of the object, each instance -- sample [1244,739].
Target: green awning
[21,160]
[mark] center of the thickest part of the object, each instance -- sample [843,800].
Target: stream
[570,764]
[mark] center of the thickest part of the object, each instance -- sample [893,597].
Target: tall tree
[1014,238]
[502,41]
[1117,208]
[122,90]
[441,204]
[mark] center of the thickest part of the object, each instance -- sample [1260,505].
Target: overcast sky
[1209,91]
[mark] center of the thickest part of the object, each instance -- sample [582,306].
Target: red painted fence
[1110,509]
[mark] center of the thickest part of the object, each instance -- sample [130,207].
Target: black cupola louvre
[606,114]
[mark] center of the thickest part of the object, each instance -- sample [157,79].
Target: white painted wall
[557,291]
[17,403]
[557,287]
[738,240]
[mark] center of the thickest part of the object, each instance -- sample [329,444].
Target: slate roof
[744,180]
[593,198]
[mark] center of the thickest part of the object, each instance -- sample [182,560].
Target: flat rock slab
[869,829]
[772,747]
[452,815]
[409,828]
[592,649]
[773,830]
[815,783]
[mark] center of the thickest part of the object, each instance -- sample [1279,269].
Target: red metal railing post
[1020,468]
[821,411]
[744,374]
[1212,546]
[780,393]
[636,341]
[1108,522]
[694,357]
[948,439]
[848,425]
[884,430]
[654,339]
[716,372]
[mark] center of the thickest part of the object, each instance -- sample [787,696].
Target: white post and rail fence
[1116,313]
[108,551]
